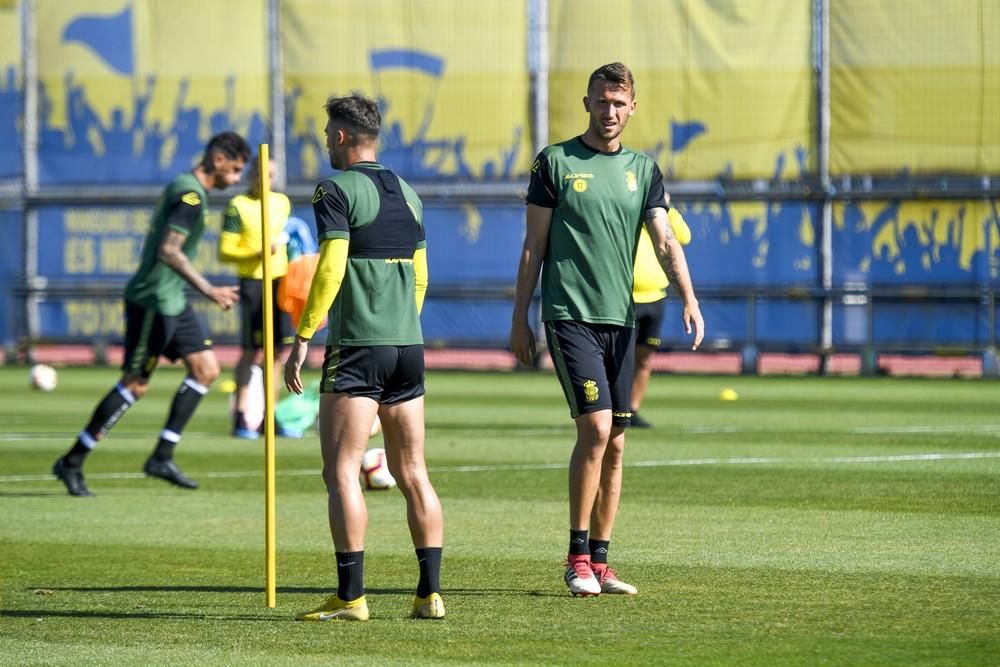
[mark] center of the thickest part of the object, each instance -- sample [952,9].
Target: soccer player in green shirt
[371,277]
[159,321]
[587,200]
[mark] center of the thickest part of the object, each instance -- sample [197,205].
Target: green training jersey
[598,202]
[382,217]
[182,207]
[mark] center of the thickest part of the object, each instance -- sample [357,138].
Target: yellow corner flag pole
[263,163]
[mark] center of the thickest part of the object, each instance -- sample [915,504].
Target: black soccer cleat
[72,478]
[639,422]
[168,470]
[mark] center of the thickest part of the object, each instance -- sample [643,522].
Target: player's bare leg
[593,431]
[605,511]
[344,425]
[403,429]
[602,519]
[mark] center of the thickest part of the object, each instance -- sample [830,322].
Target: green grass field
[838,521]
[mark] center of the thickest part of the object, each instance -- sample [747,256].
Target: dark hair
[615,73]
[229,144]
[360,114]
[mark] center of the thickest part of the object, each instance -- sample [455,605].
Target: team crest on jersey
[318,194]
[579,185]
[191,199]
[631,182]
[590,391]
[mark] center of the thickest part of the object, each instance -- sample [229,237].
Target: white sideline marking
[891,458]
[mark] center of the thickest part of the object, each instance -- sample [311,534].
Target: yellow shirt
[242,235]
[650,282]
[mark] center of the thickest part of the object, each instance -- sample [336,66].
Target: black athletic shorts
[388,374]
[649,323]
[150,335]
[595,364]
[252,316]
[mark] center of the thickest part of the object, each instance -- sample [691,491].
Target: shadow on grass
[33,494]
[55,613]
[305,590]
[62,613]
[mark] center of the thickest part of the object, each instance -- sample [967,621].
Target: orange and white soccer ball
[375,470]
[43,377]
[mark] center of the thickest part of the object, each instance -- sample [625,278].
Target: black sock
[107,413]
[578,543]
[75,456]
[599,551]
[239,420]
[429,560]
[350,575]
[186,401]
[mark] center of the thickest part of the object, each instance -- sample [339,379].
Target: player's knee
[205,370]
[595,432]
[206,375]
[409,476]
[138,389]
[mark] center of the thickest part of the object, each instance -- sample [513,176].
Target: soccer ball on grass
[43,377]
[375,470]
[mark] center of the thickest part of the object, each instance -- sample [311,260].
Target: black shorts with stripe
[387,374]
[252,316]
[150,335]
[595,364]
[649,323]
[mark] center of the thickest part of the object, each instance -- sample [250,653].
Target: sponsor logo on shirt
[579,181]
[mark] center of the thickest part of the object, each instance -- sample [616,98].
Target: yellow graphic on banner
[914,239]
[449,76]
[473,225]
[723,88]
[146,83]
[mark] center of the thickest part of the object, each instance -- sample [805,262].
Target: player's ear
[586,103]
[632,108]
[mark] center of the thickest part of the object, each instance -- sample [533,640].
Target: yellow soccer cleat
[431,606]
[335,609]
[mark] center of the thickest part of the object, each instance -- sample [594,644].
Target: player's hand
[225,297]
[694,321]
[522,343]
[293,365]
